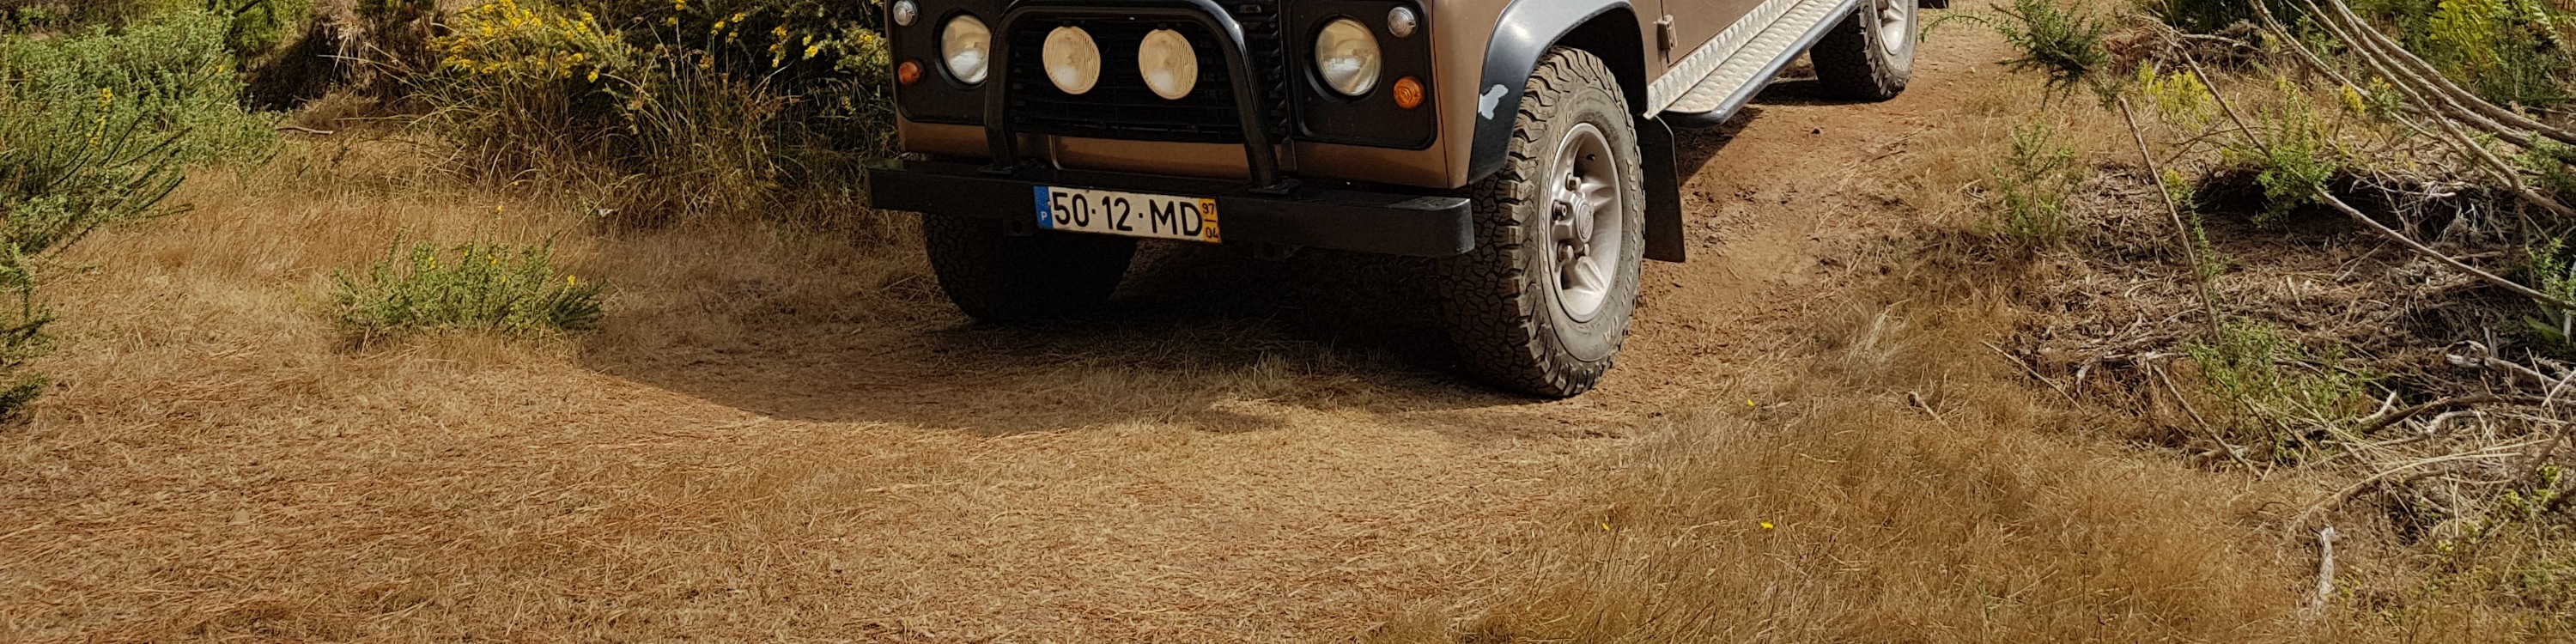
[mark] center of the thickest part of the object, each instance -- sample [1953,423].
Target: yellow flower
[1766,525]
[811,50]
[572,281]
[594,74]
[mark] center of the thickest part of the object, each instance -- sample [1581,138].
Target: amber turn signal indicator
[908,73]
[1408,92]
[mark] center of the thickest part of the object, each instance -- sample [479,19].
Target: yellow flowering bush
[528,41]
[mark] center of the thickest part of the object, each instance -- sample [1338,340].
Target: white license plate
[1127,213]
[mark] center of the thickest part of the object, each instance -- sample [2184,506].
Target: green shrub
[2508,51]
[2032,186]
[171,74]
[96,129]
[472,286]
[666,109]
[2280,389]
[2062,43]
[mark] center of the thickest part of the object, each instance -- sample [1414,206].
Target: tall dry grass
[1902,485]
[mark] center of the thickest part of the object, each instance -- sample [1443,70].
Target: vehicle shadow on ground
[1208,337]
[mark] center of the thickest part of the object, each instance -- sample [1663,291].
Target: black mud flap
[1663,191]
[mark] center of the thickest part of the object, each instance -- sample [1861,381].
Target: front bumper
[1368,222]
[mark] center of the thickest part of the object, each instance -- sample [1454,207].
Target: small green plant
[2550,268]
[2298,156]
[2032,186]
[472,286]
[2554,164]
[2060,42]
[2281,389]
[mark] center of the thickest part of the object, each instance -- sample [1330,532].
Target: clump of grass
[2032,186]
[2282,390]
[474,286]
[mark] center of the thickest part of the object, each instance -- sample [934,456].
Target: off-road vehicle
[1525,144]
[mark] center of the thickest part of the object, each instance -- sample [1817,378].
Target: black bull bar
[1271,209]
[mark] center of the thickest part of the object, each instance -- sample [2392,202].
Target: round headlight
[1346,56]
[967,47]
[1072,59]
[1168,64]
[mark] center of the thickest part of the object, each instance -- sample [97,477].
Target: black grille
[1119,106]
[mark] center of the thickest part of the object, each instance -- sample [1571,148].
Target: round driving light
[1346,56]
[1167,62]
[904,12]
[1072,59]
[908,73]
[1408,92]
[967,47]
[1399,21]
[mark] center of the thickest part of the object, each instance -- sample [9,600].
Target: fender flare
[1522,35]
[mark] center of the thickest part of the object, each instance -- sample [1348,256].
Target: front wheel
[1870,55]
[1544,301]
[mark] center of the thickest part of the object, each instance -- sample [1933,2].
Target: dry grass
[798,442]
[1907,487]
[781,434]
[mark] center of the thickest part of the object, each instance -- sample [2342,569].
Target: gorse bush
[665,110]
[472,286]
[96,129]
[2281,390]
[2032,187]
[2508,51]
[2061,43]
[2296,165]
[171,74]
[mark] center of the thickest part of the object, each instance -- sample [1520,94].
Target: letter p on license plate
[1127,213]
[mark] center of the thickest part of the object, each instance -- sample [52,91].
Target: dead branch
[2382,420]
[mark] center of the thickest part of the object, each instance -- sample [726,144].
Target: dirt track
[1218,458]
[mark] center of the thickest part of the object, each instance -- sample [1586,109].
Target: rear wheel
[997,277]
[1870,55]
[1544,301]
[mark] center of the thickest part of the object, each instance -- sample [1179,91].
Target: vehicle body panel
[1481,55]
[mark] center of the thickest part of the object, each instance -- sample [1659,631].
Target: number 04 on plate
[1127,213]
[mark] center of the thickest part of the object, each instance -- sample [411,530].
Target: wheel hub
[1587,215]
[1895,26]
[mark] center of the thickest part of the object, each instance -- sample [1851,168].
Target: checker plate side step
[1741,60]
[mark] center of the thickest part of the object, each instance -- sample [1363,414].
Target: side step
[1722,75]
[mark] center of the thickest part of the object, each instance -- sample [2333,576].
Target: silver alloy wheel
[1895,27]
[1587,221]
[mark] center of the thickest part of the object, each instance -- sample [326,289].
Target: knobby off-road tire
[1519,320]
[1000,278]
[1870,55]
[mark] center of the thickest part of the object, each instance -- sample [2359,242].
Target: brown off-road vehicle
[1525,144]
